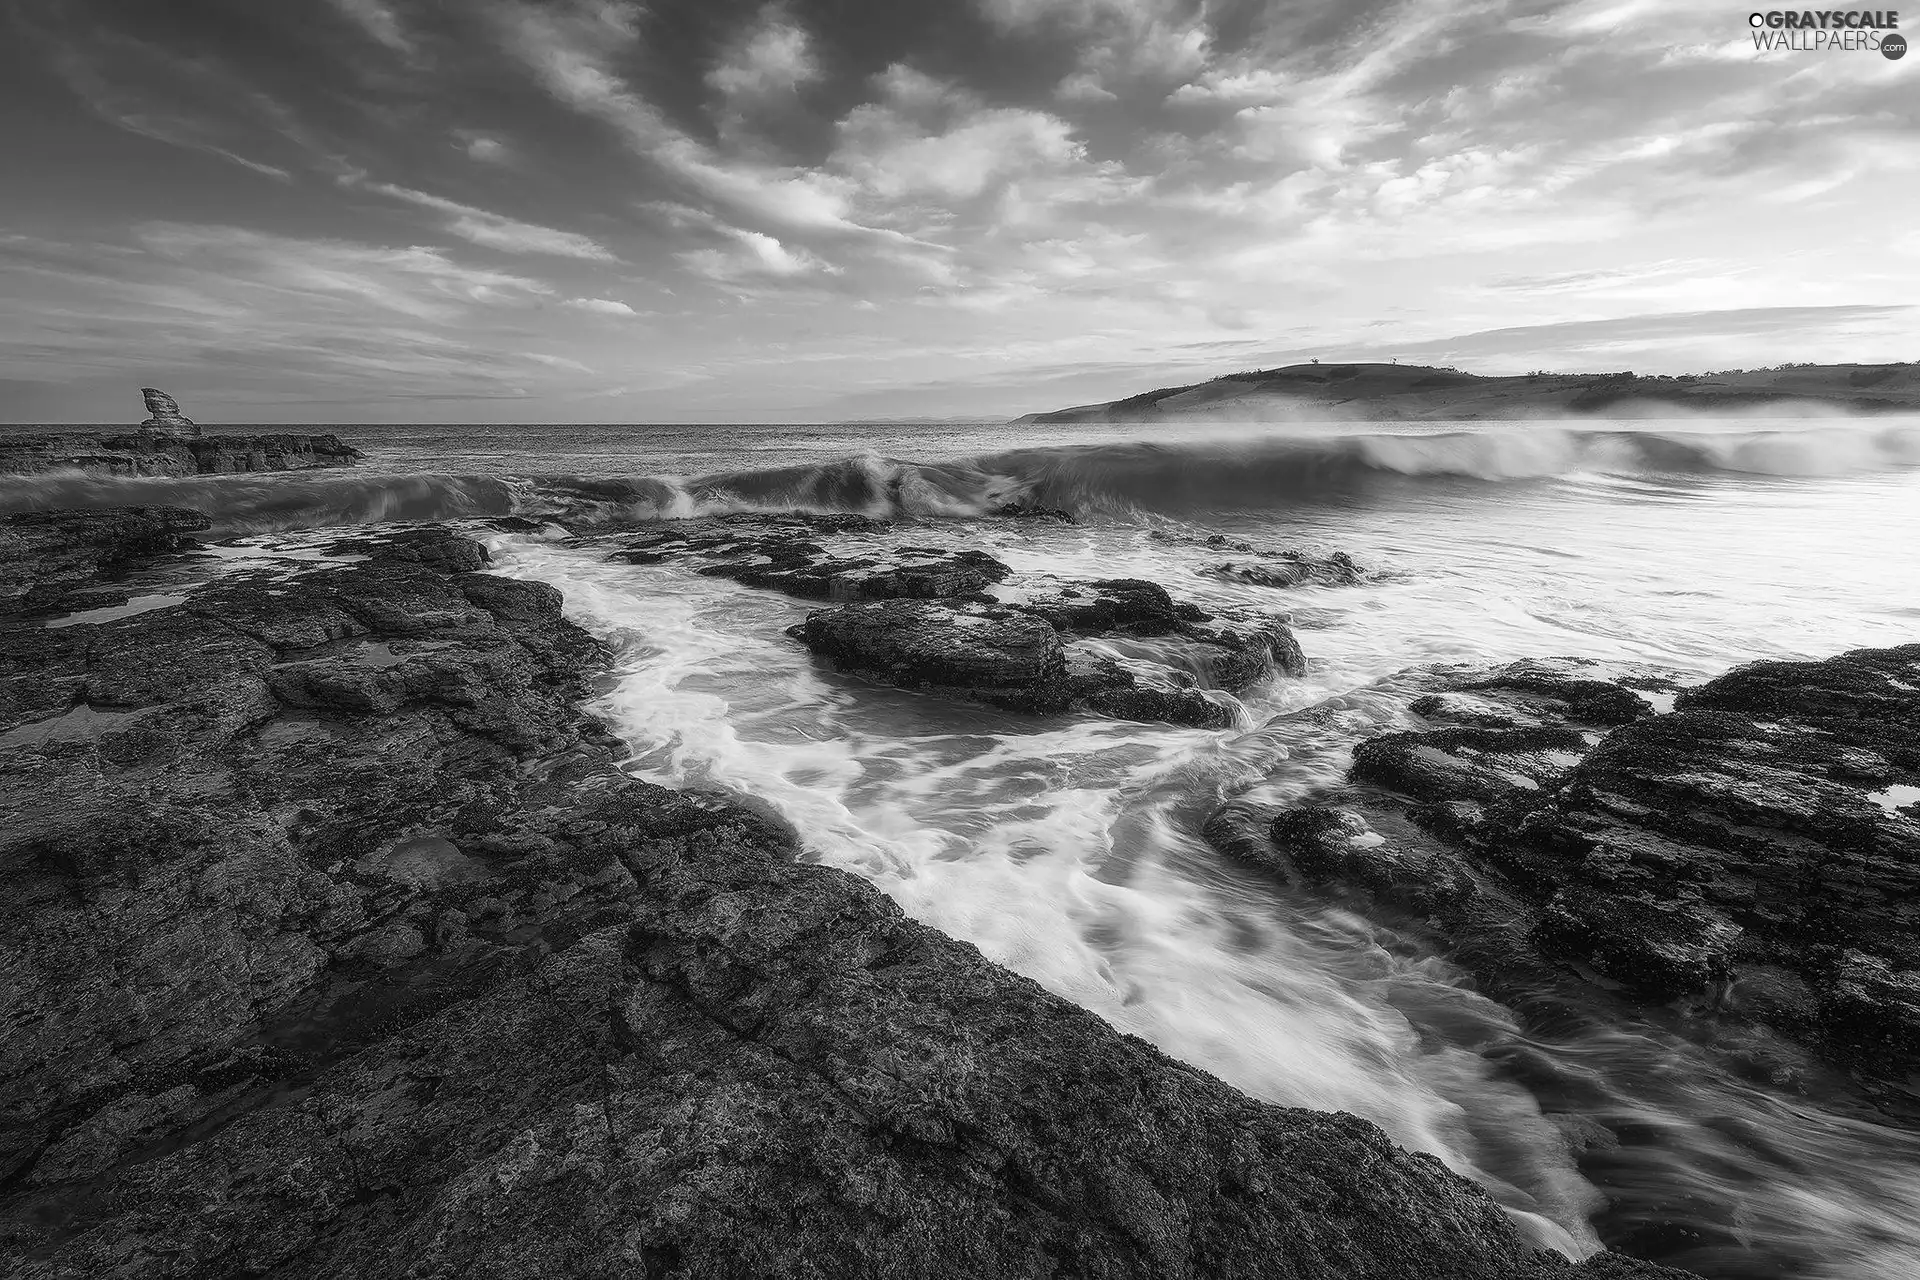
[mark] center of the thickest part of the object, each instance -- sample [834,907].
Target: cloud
[1084,86]
[892,155]
[559,362]
[1120,42]
[1660,327]
[484,147]
[568,48]
[926,151]
[329,317]
[755,254]
[126,107]
[379,22]
[415,281]
[496,231]
[602,307]
[774,56]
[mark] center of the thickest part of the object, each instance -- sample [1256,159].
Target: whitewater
[1070,848]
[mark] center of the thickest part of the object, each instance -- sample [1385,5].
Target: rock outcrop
[1752,856]
[336,943]
[1049,653]
[961,623]
[163,414]
[157,453]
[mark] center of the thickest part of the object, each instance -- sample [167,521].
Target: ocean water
[1069,848]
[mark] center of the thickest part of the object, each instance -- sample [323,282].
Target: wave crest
[1116,479]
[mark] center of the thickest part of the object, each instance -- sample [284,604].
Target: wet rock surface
[1275,567]
[167,452]
[1751,856]
[47,558]
[961,623]
[784,553]
[336,944]
[1121,648]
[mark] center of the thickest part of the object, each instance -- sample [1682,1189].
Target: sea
[1069,848]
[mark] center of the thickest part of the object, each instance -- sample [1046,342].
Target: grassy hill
[1406,392]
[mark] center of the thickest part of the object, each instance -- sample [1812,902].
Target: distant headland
[1410,392]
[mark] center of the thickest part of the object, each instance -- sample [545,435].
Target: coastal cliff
[337,943]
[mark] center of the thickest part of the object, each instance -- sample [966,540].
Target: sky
[729,210]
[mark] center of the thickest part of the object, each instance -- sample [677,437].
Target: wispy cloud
[755,254]
[568,48]
[602,307]
[414,281]
[152,117]
[497,231]
[379,22]
[324,318]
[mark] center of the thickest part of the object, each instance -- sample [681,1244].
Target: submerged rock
[1753,853]
[337,943]
[1275,567]
[1033,511]
[781,552]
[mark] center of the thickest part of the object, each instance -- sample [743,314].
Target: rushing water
[1068,848]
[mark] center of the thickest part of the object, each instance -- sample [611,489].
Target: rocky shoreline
[1741,858]
[160,453]
[338,944]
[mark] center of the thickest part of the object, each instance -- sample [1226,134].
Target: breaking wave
[1114,479]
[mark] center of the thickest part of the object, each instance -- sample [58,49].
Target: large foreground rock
[336,944]
[1752,855]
